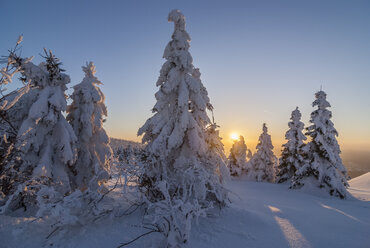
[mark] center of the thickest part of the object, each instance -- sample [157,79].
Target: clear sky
[258,59]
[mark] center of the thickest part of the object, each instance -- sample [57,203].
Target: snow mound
[362,182]
[360,187]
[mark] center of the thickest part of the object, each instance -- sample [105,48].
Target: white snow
[260,215]
[360,186]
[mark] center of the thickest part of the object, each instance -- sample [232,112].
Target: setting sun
[234,136]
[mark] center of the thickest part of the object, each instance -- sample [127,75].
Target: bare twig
[106,193]
[128,212]
[56,229]
[140,236]
[14,130]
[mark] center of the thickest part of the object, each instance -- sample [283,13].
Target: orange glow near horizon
[229,135]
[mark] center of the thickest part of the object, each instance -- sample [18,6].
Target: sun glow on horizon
[234,136]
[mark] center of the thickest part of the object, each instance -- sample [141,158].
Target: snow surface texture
[261,215]
[324,168]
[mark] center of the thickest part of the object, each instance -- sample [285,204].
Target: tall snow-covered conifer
[180,181]
[293,156]
[263,162]
[325,168]
[238,157]
[86,115]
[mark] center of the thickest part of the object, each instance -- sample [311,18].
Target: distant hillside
[357,162]
[116,143]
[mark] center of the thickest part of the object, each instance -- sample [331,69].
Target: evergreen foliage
[293,155]
[324,168]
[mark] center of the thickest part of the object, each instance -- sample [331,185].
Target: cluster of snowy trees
[51,165]
[56,159]
[316,163]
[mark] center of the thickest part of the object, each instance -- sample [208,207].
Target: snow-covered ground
[360,187]
[260,215]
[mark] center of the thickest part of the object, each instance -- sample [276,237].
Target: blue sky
[258,59]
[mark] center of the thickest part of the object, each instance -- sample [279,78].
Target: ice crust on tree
[263,163]
[237,161]
[180,179]
[86,115]
[293,154]
[324,162]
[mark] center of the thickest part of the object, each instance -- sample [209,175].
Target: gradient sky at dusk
[258,59]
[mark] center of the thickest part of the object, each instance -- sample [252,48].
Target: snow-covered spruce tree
[14,106]
[237,157]
[86,115]
[264,161]
[324,168]
[14,110]
[180,182]
[293,155]
[45,141]
[216,152]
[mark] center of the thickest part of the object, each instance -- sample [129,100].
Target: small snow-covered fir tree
[86,115]
[45,140]
[263,162]
[292,156]
[324,168]
[238,157]
[216,151]
[180,181]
